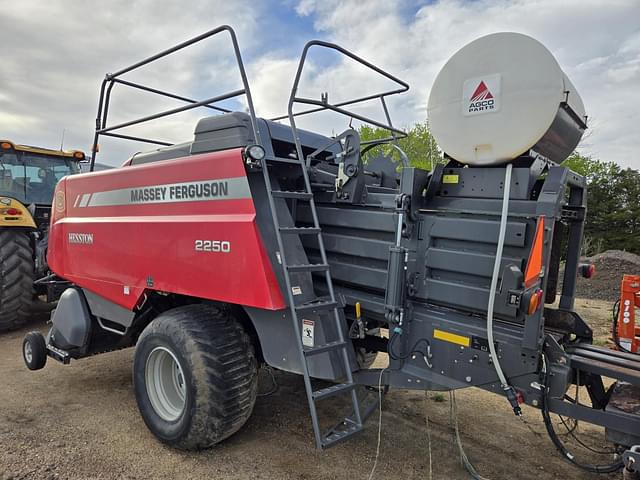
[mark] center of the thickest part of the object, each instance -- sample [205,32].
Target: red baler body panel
[125,231]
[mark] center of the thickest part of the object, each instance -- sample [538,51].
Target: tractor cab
[28,175]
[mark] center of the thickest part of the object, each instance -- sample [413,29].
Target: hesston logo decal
[81,238]
[481,100]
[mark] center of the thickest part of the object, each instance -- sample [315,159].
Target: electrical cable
[412,350]
[426,419]
[274,388]
[508,389]
[453,415]
[614,333]
[555,439]
[375,462]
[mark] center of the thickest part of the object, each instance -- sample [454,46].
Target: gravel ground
[81,422]
[610,267]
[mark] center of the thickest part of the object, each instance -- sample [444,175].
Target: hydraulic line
[557,442]
[614,332]
[509,390]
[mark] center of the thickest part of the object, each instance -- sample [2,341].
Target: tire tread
[16,278]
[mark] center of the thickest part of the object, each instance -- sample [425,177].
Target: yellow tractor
[28,176]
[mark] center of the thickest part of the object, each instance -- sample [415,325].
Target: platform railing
[323,104]
[112,79]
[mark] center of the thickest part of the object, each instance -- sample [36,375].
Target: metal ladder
[326,307]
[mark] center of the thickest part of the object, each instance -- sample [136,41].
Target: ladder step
[316,305]
[339,435]
[297,195]
[333,390]
[300,230]
[325,348]
[308,267]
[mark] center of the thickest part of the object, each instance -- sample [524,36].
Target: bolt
[534,403]
[455,361]
[468,379]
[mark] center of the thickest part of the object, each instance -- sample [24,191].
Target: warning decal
[308,327]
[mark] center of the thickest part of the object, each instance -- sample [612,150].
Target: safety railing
[323,104]
[112,79]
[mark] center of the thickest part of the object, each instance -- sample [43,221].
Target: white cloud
[58,52]
[598,46]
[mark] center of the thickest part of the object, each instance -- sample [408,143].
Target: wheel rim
[165,383]
[28,352]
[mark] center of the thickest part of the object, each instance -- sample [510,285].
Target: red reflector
[587,270]
[520,397]
[13,212]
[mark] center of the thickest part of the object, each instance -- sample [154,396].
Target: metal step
[333,390]
[316,305]
[308,267]
[327,347]
[296,195]
[300,230]
[349,425]
[337,436]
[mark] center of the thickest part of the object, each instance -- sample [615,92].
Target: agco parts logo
[481,95]
[81,238]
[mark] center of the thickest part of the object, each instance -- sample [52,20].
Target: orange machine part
[534,264]
[628,333]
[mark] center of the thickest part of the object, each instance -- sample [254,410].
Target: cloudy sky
[55,53]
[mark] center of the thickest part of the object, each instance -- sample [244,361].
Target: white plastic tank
[501,96]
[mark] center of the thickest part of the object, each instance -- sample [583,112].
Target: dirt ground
[81,422]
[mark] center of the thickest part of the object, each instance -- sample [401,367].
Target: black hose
[606,468]
[412,350]
[616,340]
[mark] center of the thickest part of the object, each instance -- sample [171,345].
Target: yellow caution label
[450,179]
[451,337]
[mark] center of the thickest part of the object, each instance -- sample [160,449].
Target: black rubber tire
[16,278]
[38,351]
[220,371]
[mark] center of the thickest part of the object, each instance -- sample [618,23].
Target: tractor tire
[16,278]
[195,376]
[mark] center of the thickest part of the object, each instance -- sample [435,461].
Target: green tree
[613,211]
[420,147]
